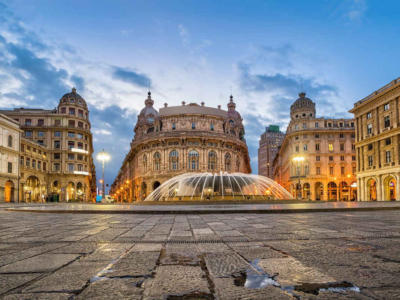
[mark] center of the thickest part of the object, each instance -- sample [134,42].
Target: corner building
[55,155]
[316,160]
[177,140]
[378,144]
[269,144]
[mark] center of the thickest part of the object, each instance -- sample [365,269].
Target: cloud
[356,10]
[184,34]
[132,77]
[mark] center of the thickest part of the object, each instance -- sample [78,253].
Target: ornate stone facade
[180,139]
[9,154]
[378,144]
[56,151]
[317,158]
[270,142]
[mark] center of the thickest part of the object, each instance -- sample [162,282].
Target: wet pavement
[280,206]
[321,255]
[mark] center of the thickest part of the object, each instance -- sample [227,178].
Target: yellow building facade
[177,140]
[317,160]
[378,144]
[55,154]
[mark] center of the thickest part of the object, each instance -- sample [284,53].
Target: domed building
[316,159]
[56,152]
[180,139]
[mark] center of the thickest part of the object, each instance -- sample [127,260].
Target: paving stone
[71,278]
[134,264]
[40,263]
[11,281]
[38,296]
[224,264]
[175,280]
[140,247]
[121,288]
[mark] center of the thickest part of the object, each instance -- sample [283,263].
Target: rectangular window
[316,147]
[353,147]
[57,155]
[9,167]
[40,122]
[353,170]
[79,135]
[370,160]
[317,158]
[297,148]
[305,147]
[388,156]
[71,123]
[387,121]
[304,125]
[28,133]
[72,111]
[80,157]
[316,124]
[28,122]
[40,134]
[388,141]
[342,157]
[369,115]
[57,122]
[341,147]
[57,133]
[369,129]
[80,125]
[21,161]
[56,167]
[330,147]
[80,168]
[63,110]
[28,162]
[39,165]
[370,147]
[71,144]
[173,126]
[80,113]
[57,145]
[40,142]
[386,107]
[342,171]
[193,125]
[353,158]
[330,158]
[318,171]
[44,166]
[71,156]
[71,134]
[70,167]
[80,145]
[330,170]
[33,163]
[317,135]
[341,135]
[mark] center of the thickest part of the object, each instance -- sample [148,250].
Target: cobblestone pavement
[338,255]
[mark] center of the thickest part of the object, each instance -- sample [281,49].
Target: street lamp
[103,157]
[298,160]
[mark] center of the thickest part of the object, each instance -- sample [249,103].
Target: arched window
[237,164]
[227,162]
[212,127]
[173,160]
[157,161]
[10,141]
[144,162]
[212,160]
[193,161]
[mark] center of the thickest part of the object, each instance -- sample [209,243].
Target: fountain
[219,187]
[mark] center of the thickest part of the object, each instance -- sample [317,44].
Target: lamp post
[298,159]
[103,157]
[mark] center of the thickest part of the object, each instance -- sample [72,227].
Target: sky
[263,52]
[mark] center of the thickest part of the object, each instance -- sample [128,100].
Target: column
[379,188]
[359,189]
[312,191]
[398,187]
[325,189]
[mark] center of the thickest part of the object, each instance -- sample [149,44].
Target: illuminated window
[330,147]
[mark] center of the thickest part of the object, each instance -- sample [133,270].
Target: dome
[73,98]
[148,110]
[232,112]
[302,102]
[215,187]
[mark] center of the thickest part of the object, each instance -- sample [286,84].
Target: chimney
[165,104]
[219,106]
[183,103]
[202,103]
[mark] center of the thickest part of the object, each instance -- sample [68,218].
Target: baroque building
[269,144]
[10,135]
[378,144]
[177,140]
[317,158]
[55,152]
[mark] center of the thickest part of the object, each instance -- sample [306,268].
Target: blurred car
[108,199]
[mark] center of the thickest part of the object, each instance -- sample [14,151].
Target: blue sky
[265,52]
